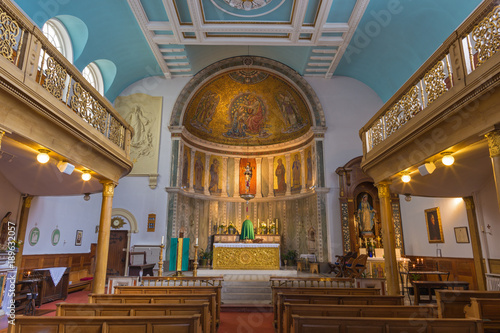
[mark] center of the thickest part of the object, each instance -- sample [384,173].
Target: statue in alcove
[366,216]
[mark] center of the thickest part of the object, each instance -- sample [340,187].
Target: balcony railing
[22,43]
[436,78]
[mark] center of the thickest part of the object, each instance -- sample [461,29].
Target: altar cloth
[247,256]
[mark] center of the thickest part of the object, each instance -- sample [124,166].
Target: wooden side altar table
[431,286]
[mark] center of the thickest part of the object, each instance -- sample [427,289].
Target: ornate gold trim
[494,143]
[246,258]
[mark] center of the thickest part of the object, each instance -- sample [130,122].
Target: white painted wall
[453,214]
[348,105]
[68,214]
[488,214]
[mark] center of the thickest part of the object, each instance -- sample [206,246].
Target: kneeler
[179,254]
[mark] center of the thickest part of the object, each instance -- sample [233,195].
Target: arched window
[93,75]
[57,34]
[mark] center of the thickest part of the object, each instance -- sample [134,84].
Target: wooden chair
[357,267]
[338,267]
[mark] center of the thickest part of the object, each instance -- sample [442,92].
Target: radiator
[493,282]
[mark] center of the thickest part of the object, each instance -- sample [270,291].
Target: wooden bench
[487,310]
[294,281]
[138,290]
[317,291]
[292,298]
[167,281]
[174,324]
[134,310]
[451,303]
[408,325]
[431,286]
[374,311]
[159,299]
[79,280]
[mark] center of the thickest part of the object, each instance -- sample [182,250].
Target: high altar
[248,127]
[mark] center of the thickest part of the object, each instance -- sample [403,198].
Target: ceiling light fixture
[43,156]
[448,159]
[86,175]
[406,178]
[407,197]
[86,196]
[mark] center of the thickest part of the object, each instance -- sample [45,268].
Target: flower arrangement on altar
[231,229]
[263,227]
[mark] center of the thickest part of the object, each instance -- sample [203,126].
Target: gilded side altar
[246,256]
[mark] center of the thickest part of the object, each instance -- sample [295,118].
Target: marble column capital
[494,143]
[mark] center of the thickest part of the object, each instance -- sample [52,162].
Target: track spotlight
[405,178]
[86,175]
[448,159]
[43,156]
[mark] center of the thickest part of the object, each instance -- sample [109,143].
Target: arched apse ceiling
[378,42]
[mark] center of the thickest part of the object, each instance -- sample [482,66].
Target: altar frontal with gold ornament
[246,256]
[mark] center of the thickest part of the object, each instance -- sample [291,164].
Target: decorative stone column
[494,147]
[259,177]
[477,252]
[236,192]
[191,172]
[103,237]
[391,264]
[207,174]
[271,176]
[303,171]
[224,178]
[288,177]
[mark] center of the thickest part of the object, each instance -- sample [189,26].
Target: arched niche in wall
[356,214]
[249,125]
[130,218]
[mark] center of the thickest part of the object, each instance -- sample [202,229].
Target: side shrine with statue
[247,165]
[359,209]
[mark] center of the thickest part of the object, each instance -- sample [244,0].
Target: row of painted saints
[248,115]
[247,167]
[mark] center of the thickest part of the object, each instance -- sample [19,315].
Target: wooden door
[117,252]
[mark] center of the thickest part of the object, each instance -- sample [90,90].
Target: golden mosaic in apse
[247,108]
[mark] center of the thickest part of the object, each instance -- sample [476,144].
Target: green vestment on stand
[247,230]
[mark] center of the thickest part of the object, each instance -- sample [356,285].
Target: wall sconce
[406,177]
[43,156]
[447,159]
[407,197]
[86,176]
[86,196]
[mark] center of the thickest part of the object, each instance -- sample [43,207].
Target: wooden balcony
[448,105]
[47,103]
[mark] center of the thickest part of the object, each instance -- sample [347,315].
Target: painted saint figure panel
[248,176]
[280,175]
[199,171]
[215,171]
[186,170]
[296,172]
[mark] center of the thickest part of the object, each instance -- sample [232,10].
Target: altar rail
[40,64]
[441,76]
[170,281]
[282,281]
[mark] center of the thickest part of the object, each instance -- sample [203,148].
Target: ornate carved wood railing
[25,46]
[166,281]
[469,47]
[282,281]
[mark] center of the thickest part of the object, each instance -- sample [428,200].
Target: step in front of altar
[250,291]
[251,274]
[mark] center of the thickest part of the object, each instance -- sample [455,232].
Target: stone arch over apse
[282,71]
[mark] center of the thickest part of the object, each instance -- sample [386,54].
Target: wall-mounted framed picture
[34,236]
[461,235]
[79,236]
[56,236]
[151,222]
[434,226]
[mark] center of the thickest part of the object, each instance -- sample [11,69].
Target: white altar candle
[162,239]
[196,240]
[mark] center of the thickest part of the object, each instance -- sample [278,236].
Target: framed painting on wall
[434,226]
[461,235]
[79,236]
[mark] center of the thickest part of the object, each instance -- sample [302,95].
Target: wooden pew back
[174,290]
[451,303]
[487,310]
[331,299]
[174,324]
[318,291]
[409,325]
[374,311]
[159,299]
[133,310]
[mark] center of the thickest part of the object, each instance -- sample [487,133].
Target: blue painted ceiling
[385,41]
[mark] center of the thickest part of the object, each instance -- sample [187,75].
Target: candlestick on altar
[277,233]
[195,262]
[160,263]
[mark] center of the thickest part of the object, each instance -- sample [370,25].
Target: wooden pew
[451,303]
[487,310]
[170,281]
[294,281]
[177,290]
[408,325]
[160,299]
[134,310]
[293,298]
[374,311]
[174,324]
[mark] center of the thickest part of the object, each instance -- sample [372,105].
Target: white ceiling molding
[142,19]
